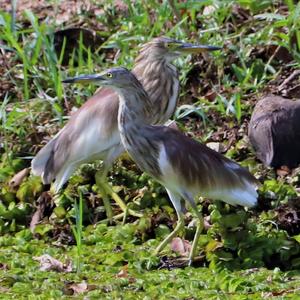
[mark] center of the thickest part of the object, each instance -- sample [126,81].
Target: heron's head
[115,77]
[169,49]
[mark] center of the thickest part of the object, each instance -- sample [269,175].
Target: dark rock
[274,131]
[73,36]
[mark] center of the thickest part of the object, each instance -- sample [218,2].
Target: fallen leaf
[4,289]
[73,288]
[283,171]
[48,263]
[4,266]
[123,273]
[16,181]
[218,147]
[211,95]
[121,6]
[208,10]
[181,246]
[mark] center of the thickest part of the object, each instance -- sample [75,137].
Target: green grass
[77,230]
[36,105]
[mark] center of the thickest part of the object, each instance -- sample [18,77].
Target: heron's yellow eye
[109,75]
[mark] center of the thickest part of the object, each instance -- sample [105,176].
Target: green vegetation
[251,254]
[121,275]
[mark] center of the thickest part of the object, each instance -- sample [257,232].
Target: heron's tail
[42,162]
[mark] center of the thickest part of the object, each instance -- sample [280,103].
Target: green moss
[102,264]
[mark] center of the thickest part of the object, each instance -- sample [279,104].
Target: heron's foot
[106,191]
[166,241]
[200,226]
[120,202]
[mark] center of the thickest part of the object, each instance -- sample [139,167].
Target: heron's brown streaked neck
[159,78]
[146,61]
[135,106]
[133,124]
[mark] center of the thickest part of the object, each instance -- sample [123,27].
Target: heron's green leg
[120,202]
[200,226]
[105,190]
[101,183]
[179,226]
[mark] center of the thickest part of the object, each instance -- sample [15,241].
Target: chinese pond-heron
[185,167]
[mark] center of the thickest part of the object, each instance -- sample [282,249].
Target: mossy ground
[113,266]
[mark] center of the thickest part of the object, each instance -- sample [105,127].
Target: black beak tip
[215,48]
[219,48]
[68,80]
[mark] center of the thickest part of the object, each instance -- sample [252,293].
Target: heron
[185,167]
[92,131]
